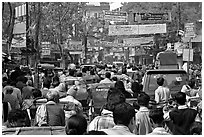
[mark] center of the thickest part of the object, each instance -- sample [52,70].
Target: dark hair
[84,70]
[135,87]
[114,78]
[108,75]
[114,97]
[156,115]
[180,98]
[119,85]
[160,81]
[196,128]
[123,113]
[72,72]
[143,99]
[79,74]
[191,83]
[46,83]
[36,93]
[95,132]
[9,91]
[22,79]
[76,125]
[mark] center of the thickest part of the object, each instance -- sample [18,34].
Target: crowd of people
[173,115]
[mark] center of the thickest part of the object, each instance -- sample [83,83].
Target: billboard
[137,41]
[136,29]
[146,17]
[115,16]
[190,30]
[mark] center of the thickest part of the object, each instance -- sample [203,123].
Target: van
[174,80]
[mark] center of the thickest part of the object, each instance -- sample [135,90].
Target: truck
[166,60]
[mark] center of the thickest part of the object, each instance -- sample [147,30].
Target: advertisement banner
[136,29]
[138,41]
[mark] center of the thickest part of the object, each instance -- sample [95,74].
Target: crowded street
[101,68]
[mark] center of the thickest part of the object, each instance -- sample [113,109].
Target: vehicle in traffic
[174,80]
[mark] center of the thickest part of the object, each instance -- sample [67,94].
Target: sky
[113,5]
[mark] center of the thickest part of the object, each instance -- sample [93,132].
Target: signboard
[18,42]
[136,29]
[189,30]
[137,41]
[19,28]
[152,17]
[115,16]
[75,45]
[45,52]
[20,11]
[187,54]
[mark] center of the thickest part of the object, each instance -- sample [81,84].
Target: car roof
[166,70]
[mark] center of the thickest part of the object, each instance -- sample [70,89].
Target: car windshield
[172,81]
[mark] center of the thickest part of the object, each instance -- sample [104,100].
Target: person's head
[156,115]
[143,99]
[9,90]
[72,72]
[29,83]
[46,83]
[114,97]
[191,83]
[180,98]
[36,93]
[124,114]
[84,70]
[108,75]
[119,85]
[76,125]
[79,74]
[22,79]
[115,79]
[160,81]
[135,87]
[17,118]
[52,95]
[196,128]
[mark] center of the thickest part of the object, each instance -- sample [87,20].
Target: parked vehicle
[174,80]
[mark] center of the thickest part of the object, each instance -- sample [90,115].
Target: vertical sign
[187,54]
[189,30]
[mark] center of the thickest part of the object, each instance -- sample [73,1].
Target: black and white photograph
[101,67]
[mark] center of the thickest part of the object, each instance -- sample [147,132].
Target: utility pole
[37,43]
[27,33]
[179,15]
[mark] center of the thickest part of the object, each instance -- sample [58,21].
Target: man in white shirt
[124,118]
[162,94]
[107,78]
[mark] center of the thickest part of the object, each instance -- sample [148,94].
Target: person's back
[143,124]
[162,94]
[55,114]
[124,118]
[105,120]
[52,110]
[11,99]
[182,117]
[27,91]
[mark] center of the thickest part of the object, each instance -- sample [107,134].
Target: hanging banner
[136,29]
